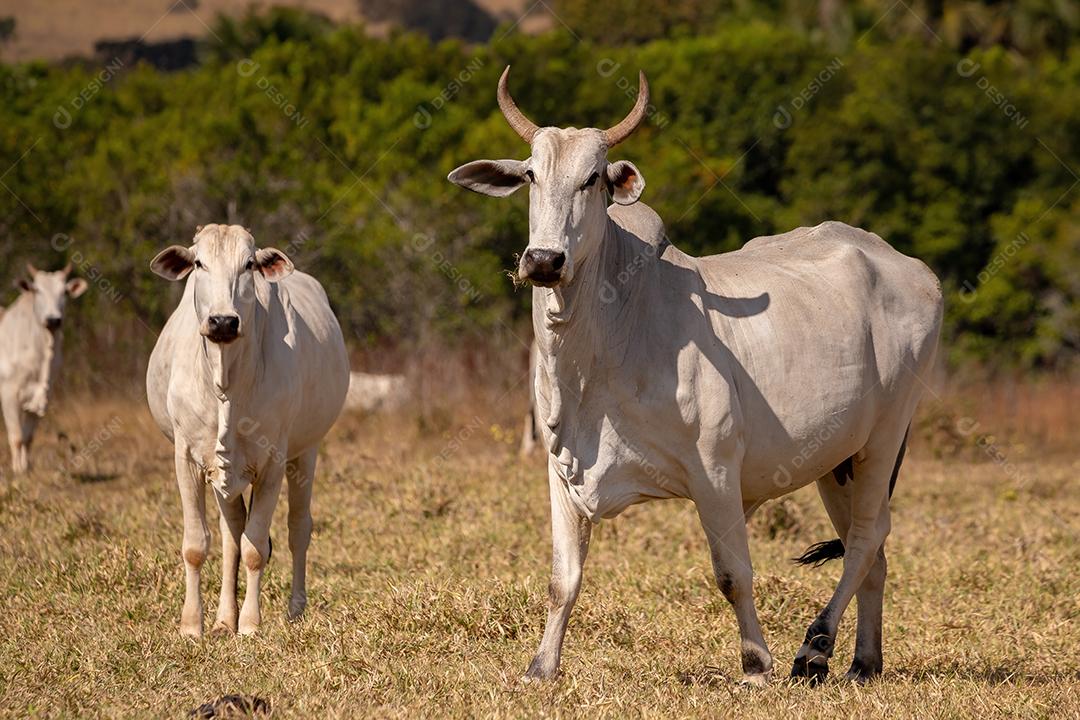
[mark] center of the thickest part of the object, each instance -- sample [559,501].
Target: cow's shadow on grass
[995,675]
[709,676]
[89,478]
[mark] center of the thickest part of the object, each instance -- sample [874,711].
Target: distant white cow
[371,392]
[246,378]
[728,380]
[30,354]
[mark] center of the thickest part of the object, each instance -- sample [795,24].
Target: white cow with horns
[246,378]
[728,379]
[31,354]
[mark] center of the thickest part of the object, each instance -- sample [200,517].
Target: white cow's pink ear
[24,284]
[625,182]
[173,263]
[273,264]
[75,287]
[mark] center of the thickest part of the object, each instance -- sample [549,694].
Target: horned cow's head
[569,177]
[50,291]
[222,262]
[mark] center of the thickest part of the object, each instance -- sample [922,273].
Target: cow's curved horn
[620,132]
[31,269]
[522,125]
[67,269]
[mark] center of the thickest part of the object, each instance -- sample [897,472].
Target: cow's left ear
[75,287]
[273,264]
[24,284]
[624,182]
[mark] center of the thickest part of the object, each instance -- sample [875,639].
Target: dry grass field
[428,576]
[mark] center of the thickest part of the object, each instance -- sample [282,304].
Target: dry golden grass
[428,581]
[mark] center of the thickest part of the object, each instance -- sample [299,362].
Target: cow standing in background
[246,378]
[728,380]
[530,430]
[31,341]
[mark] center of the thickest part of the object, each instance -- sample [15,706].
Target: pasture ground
[428,576]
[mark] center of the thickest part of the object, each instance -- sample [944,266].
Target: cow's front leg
[233,518]
[255,543]
[570,533]
[196,542]
[725,528]
[13,423]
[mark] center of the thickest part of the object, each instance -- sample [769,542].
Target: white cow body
[727,380]
[31,345]
[759,354]
[281,392]
[244,409]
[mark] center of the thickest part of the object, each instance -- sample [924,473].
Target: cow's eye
[199,265]
[591,181]
[250,265]
[529,175]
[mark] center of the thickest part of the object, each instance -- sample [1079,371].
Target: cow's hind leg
[300,473]
[233,517]
[867,662]
[570,533]
[725,528]
[863,541]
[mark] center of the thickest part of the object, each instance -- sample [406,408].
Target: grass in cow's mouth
[428,582]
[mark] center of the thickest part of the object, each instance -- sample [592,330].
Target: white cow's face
[568,175]
[222,263]
[51,291]
[569,179]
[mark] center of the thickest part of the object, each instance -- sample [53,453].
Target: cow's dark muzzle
[222,328]
[543,267]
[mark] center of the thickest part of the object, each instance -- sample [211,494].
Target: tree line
[334,145]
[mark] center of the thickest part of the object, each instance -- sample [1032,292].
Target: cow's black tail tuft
[820,553]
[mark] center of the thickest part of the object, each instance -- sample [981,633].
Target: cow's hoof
[813,670]
[221,629]
[861,672]
[539,671]
[191,631]
[756,680]
[296,609]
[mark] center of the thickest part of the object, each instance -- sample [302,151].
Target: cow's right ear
[497,178]
[173,263]
[24,284]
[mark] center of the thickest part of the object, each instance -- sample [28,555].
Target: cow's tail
[820,553]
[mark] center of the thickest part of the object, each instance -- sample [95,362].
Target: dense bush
[334,146]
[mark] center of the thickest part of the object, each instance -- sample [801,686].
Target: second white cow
[247,377]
